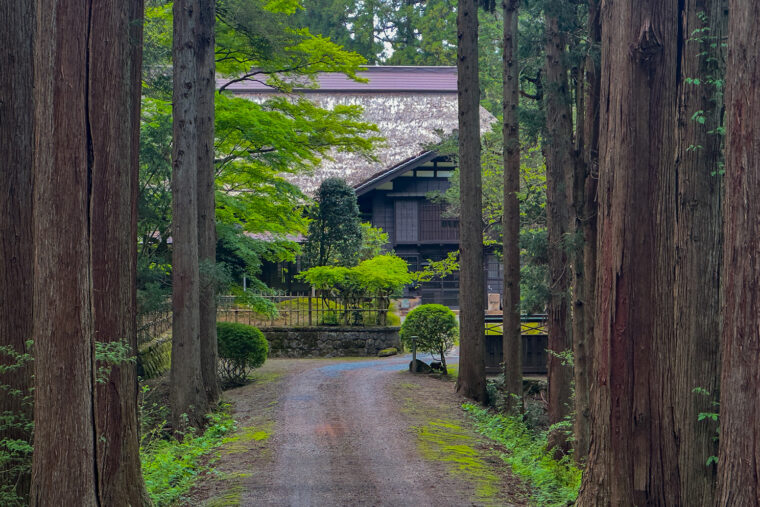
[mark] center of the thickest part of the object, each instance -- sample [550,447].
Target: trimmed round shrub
[241,349]
[435,327]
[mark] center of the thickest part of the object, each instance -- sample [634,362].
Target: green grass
[554,482]
[170,467]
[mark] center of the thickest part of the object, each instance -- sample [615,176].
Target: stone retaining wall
[154,358]
[329,341]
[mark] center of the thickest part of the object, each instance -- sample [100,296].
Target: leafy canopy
[383,276]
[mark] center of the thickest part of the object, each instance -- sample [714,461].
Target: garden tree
[584,203]
[738,482]
[471,381]
[434,328]
[187,394]
[379,278]
[560,161]
[511,222]
[374,242]
[86,112]
[633,447]
[16,247]
[335,233]
[698,243]
[383,277]
[205,88]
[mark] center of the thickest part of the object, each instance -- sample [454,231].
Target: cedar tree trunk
[472,378]
[511,306]
[633,456]
[187,395]
[698,236]
[87,90]
[560,161]
[16,248]
[114,85]
[584,185]
[206,201]
[738,477]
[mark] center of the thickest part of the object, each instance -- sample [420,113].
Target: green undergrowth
[553,482]
[171,467]
[446,441]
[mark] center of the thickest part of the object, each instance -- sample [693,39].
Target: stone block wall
[329,341]
[154,358]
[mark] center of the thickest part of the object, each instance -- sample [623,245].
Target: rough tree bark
[114,87]
[738,475]
[472,378]
[584,190]
[206,200]
[698,236]
[16,248]
[187,395]
[511,223]
[560,160]
[86,115]
[633,457]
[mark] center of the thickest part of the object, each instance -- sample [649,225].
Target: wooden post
[413,366]
[311,295]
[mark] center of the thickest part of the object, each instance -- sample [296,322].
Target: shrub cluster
[241,349]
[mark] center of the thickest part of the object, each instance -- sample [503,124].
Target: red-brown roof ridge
[386,78]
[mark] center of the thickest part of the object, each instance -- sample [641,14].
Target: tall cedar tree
[86,114]
[698,236]
[511,237]
[472,379]
[560,160]
[205,89]
[738,479]
[187,395]
[633,456]
[584,203]
[16,251]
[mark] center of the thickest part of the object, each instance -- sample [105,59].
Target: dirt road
[347,433]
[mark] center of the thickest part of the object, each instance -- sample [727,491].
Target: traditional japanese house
[414,108]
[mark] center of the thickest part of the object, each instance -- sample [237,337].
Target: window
[407,221]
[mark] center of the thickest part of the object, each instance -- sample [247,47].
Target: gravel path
[340,440]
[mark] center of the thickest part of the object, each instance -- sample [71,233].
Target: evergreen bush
[435,327]
[241,349]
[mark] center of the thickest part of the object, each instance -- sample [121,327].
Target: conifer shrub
[241,349]
[435,327]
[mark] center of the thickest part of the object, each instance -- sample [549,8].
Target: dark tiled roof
[381,79]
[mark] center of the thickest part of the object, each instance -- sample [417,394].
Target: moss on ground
[265,377]
[242,440]
[444,440]
[233,495]
[447,441]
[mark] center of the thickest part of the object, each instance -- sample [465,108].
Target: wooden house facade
[413,108]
